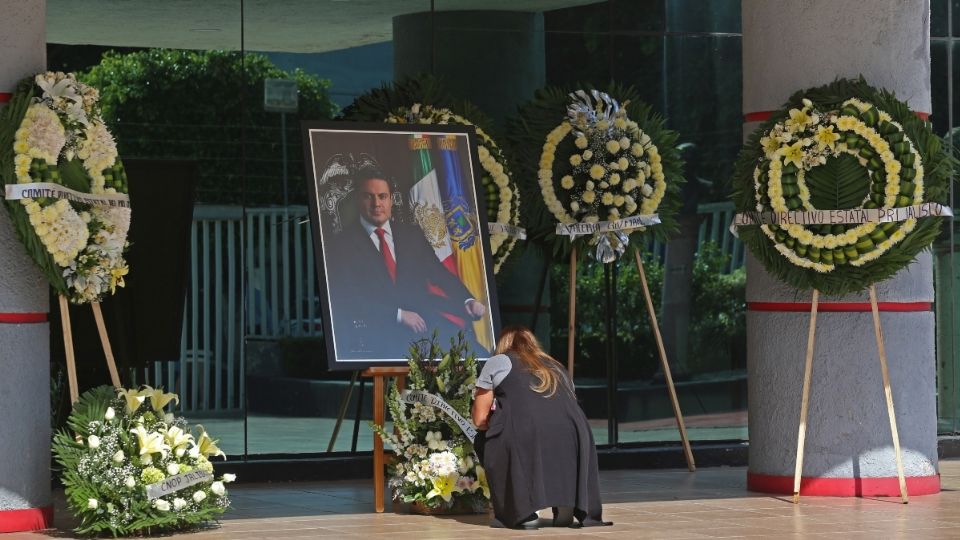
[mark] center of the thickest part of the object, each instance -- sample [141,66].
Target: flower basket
[131,468]
[435,468]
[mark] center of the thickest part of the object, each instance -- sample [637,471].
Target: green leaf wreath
[571,172]
[52,132]
[119,442]
[424,100]
[436,465]
[842,146]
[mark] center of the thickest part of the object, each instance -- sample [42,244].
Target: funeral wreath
[850,181]
[601,157]
[71,211]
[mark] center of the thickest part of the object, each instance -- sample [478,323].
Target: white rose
[130,482]
[118,457]
[93,441]
[218,489]
[92,504]
[179,503]
[146,459]
[199,496]
[110,414]
[173,468]
[227,478]
[161,505]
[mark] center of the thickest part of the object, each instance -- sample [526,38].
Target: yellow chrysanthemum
[597,171]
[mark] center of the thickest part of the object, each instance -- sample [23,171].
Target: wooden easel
[380,376]
[805,398]
[571,328]
[68,347]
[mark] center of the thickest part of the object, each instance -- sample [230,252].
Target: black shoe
[531,522]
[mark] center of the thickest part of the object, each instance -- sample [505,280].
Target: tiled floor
[668,504]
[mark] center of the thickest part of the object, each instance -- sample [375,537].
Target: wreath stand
[571,329]
[804,402]
[68,347]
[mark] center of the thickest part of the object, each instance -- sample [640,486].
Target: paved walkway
[666,504]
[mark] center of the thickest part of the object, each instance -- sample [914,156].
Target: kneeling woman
[537,447]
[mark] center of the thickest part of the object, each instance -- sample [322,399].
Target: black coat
[365,300]
[538,451]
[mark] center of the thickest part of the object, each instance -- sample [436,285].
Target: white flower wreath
[613,171]
[86,243]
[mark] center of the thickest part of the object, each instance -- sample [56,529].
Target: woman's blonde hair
[521,342]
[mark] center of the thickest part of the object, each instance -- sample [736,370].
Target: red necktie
[387,255]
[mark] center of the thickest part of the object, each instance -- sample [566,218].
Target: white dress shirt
[372,234]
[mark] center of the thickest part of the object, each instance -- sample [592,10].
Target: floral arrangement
[436,465]
[840,147]
[425,101]
[120,442]
[52,132]
[606,160]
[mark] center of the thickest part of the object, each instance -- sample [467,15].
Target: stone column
[790,45]
[25,501]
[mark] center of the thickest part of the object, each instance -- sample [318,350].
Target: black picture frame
[355,298]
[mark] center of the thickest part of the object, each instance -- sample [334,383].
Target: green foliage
[527,133]
[718,322]
[938,162]
[178,104]
[716,333]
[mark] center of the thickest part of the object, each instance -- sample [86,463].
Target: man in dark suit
[387,286]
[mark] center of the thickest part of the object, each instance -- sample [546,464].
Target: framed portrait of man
[400,238]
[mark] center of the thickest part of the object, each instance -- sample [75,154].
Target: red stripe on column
[22,318]
[844,487]
[848,307]
[757,116]
[760,116]
[5,97]
[28,519]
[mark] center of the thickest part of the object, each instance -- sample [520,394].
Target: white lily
[177,438]
[158,398]
[58,89]
[132,398]
[76,113]
[208,446]
[150,443]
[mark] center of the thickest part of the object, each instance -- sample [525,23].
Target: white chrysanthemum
[45,134]
[443,464]
[98,151]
